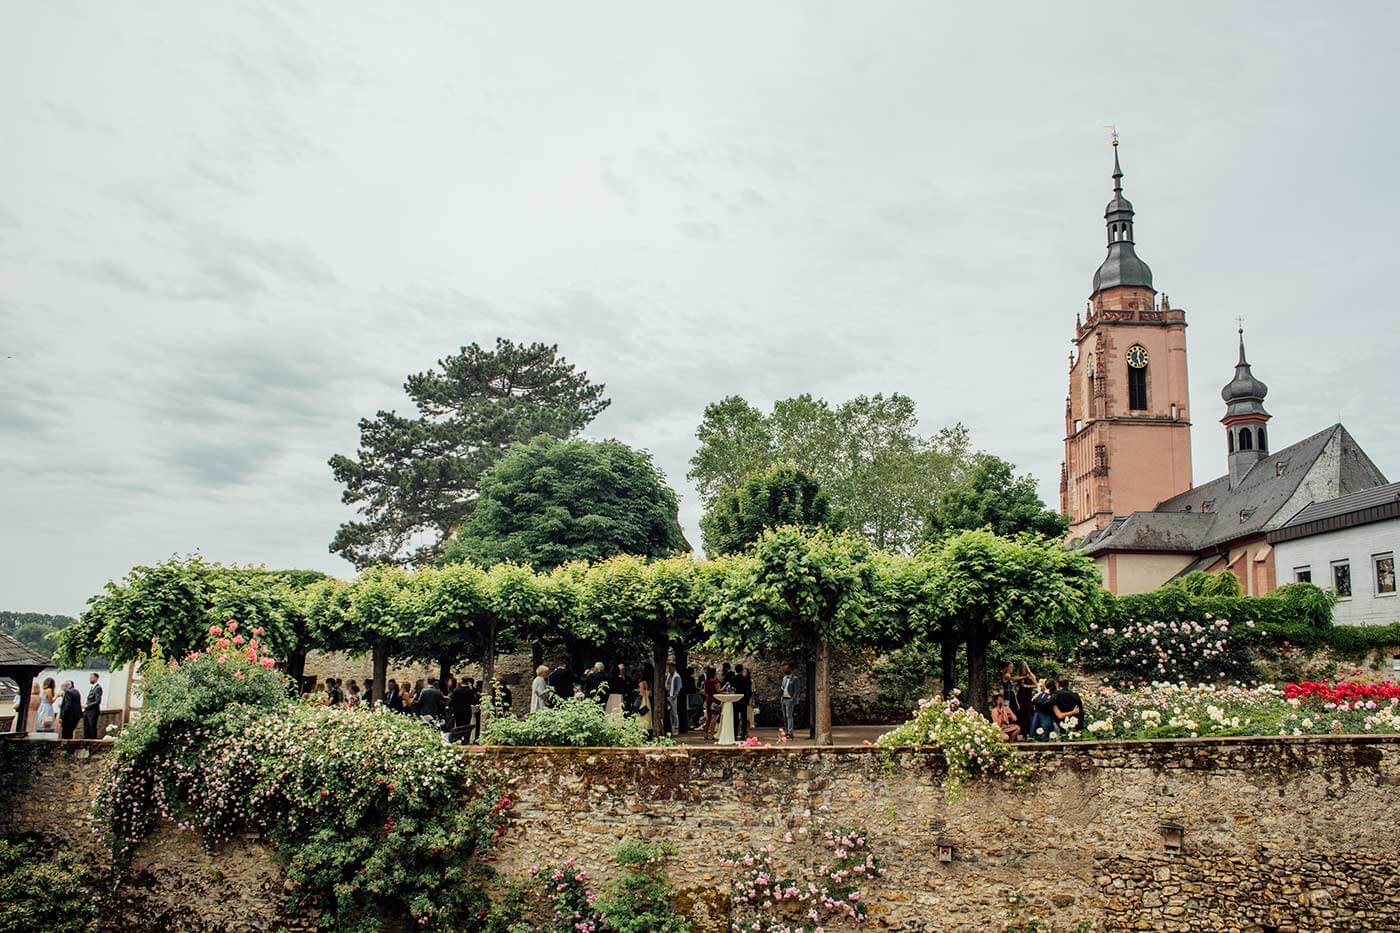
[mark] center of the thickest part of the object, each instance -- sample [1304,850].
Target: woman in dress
[1025,693]
[1008,685]
[539,689]
[1005,719]
[46,717]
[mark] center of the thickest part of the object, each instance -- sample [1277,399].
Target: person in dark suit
[393,700]
[742,684]
[462,699]
[431,702]
[93,708]
[70,709]
[561,680]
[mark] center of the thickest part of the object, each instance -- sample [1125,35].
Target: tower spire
[1122,267]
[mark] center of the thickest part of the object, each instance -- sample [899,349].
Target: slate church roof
[1321,467]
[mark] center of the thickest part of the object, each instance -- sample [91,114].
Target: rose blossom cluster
[766,900]
[228,644]
[1150,651]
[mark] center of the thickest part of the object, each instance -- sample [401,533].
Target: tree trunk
[536,655]
[948,656]
[381,671]
[682,660]
[977,673]
[811,673]
[821,696]
[659,645]
[444,671]
[296,670]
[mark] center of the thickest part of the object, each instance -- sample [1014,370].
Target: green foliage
[375,816]
[642,898]
[988,494]
[44,888]
[639,900]
[990,587]
[418,476]
[1200,583]
[575,722]
[795,590]
[905,674]
[548,502]
[175,602]
[35,630]
[780,495]
[882,476]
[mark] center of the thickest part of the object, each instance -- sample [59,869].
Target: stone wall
[1294,835]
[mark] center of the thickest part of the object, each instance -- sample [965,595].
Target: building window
[1246,439]
[1385,574]
[1302,574]
[1263,439]
[1341,578]
[1231,436]
[1137,388]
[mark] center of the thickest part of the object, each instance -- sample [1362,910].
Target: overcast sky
[228,231]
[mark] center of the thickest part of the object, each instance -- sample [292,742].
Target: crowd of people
[1027,708]
[60,709]
[689,698]
[453,706]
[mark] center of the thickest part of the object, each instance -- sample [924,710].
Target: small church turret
[1246,436]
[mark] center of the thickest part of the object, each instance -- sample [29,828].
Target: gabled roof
[1152,531]
[1344,505]
[16,654]
[1213,513]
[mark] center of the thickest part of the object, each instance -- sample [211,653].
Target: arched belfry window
[1231,436]
[1137,388]
[1246,439]
[1263,439]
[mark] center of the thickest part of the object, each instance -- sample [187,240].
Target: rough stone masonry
[1259,834]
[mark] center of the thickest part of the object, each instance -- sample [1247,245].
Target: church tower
[1127,414]
[1246,436]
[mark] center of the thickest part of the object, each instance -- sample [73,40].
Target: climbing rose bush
[1342,692]
[373,814]
[812,881]
[972,745]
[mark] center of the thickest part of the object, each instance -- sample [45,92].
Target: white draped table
[726,717]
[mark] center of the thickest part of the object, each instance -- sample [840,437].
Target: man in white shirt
[673,691]
[789,695]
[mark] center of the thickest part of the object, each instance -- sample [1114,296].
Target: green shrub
[574,722]
[1200,583]
[642,899]
[972,745]
[44,889]
[376,817]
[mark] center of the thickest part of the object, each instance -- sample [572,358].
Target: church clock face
[1137,356]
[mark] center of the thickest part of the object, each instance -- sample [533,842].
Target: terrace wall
[1279,834]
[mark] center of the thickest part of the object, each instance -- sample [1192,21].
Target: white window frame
[1376,573]
[1350,579]
[1305,569]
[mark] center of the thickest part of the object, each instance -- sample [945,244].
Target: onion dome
[1122,266]
[1244,394]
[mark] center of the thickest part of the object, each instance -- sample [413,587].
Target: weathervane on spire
[1113,129]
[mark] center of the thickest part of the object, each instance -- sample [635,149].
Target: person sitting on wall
[1043,723]
[1069,708]
[1005,718]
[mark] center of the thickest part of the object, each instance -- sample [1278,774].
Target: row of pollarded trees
[797,591]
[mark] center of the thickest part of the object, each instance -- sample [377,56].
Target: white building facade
[1348,546]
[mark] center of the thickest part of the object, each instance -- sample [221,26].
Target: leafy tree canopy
[175,602]
[417,477]
[881,475]
[780,495]
[989,495]
[549,502]
[990,586]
